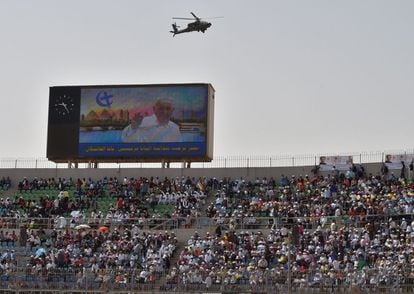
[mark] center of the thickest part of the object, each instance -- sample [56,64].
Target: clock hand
[65,106]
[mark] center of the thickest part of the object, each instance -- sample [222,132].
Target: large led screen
[149,121]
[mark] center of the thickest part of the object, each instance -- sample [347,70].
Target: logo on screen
[104,99]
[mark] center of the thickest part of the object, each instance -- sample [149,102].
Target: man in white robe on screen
[156,128]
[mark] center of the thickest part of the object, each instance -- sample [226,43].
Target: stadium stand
[322,232]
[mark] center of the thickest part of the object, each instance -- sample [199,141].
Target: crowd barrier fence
[235,223]
[367,280]
[233,161]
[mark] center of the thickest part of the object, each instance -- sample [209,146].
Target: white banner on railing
[340,162]
[395,161]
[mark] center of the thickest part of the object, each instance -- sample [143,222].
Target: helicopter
[198,25]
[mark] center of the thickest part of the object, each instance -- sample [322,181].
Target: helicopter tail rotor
[175,28]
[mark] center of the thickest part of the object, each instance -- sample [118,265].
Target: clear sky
[290,76]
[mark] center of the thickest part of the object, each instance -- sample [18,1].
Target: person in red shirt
[120,203]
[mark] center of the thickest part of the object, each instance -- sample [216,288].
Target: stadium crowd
[339,229]
[106,255]
[314,197]
[332,255]
[5,183]
[128,199]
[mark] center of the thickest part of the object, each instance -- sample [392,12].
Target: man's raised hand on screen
[136,120]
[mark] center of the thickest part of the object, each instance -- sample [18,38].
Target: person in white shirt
[155,128]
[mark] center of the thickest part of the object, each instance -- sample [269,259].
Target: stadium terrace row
[41,198]
[314,197]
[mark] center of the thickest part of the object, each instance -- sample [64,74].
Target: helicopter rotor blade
[185,18]
[195,16]
[213,17]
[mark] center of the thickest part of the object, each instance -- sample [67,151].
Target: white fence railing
[233,161]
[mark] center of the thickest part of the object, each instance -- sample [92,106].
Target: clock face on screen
[64,105]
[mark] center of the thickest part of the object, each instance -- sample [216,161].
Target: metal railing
[236,161]
[235,223]
[19,278]
[370,280]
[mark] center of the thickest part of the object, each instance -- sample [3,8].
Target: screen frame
[57,129]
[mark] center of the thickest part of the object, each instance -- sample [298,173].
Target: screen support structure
[72,164]
[93,164]
[75,164]
[185,164]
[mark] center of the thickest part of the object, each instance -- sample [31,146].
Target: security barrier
[236,223]
[21,280]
